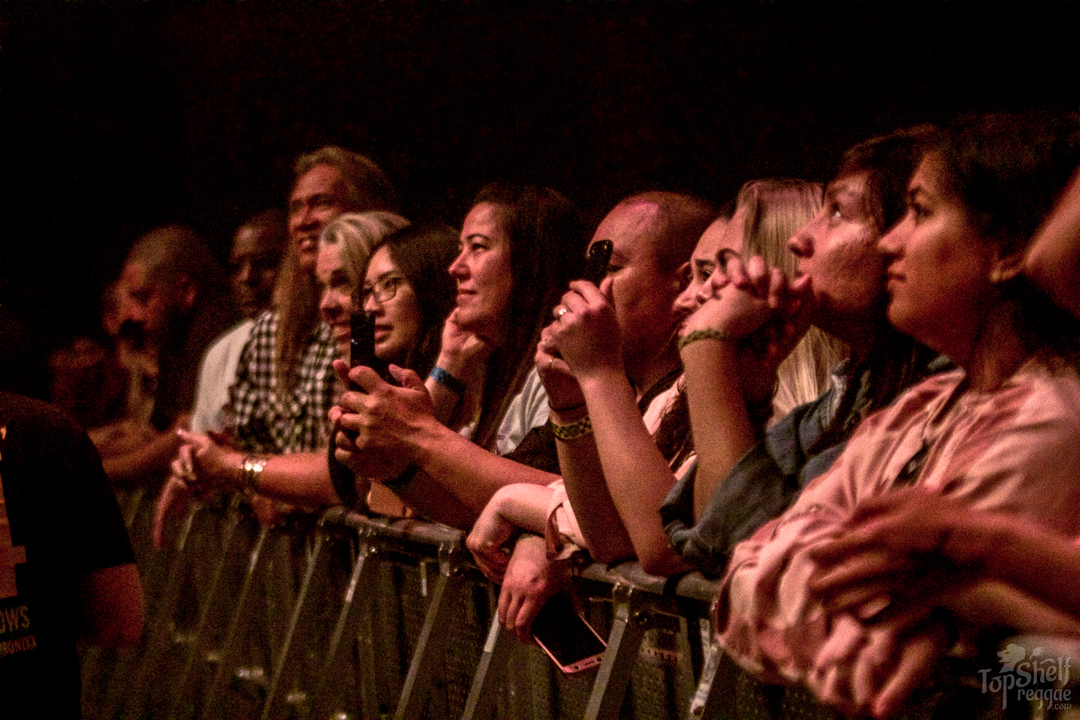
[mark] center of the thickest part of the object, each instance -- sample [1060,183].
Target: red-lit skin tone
[1053,260]
[838,252]
[926,551]
[607,345]
[319,196]
[151,305]
[483,274]
[941,277]
[397,320]
[254,262]
[717,243]
[335,301]
[386,428]
[132,452]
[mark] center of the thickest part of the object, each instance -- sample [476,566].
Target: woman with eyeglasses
[409,295]
[441,445]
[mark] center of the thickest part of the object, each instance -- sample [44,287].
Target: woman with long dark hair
[439,446]
[1000,433]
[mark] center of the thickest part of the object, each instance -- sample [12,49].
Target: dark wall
[123,115]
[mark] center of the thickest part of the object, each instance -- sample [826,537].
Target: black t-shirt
[64,523]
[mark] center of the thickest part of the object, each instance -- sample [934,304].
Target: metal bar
[624,644]
[433,640]
[182,687]
[162,628]
[497,650]
[348,626]
[230,648]
[289,662]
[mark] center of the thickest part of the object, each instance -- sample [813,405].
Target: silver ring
[560,312]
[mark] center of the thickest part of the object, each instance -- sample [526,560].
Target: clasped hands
[763,310]
[889,585]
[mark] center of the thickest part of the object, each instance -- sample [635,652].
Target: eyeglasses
[383,290]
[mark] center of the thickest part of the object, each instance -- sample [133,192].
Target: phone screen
[362,346]
[568,639]
[596,263]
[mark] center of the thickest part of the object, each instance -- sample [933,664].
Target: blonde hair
[357,235]
[775,210]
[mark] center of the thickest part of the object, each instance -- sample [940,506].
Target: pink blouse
[1015,449]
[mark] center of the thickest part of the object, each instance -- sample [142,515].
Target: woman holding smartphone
[402,286]
[439,446]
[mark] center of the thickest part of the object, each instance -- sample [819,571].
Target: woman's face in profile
[939,268]
[706,274]
[335,300]
[389,297]
[483,273]
[838,251]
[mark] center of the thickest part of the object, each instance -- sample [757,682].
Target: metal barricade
[349,616]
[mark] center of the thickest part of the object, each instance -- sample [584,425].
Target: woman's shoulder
[1042,393]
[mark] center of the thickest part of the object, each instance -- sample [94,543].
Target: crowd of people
[856,406]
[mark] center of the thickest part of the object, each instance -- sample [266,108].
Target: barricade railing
[349,616]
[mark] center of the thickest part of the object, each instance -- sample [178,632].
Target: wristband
[251,472]
[706,334]
[572,431]
[444,378]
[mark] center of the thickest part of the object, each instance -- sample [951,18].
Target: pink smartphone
[565,636]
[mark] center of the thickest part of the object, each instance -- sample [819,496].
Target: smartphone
[565,636]
[596,262]
[362,346]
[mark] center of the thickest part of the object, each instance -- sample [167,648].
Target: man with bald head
[610,367]
[170,306]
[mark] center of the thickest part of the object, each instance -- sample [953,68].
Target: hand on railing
[174,500]
[530,579]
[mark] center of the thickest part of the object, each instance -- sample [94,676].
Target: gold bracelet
[704,334]
[251,472]
[572,431]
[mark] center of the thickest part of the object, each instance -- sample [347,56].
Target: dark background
[124,115]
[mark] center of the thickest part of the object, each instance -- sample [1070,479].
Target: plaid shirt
[258,418]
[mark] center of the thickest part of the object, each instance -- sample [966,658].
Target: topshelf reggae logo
[1030,678]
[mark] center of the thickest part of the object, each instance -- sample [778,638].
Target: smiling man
[284,384]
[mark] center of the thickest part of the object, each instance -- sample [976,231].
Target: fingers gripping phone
[565,636]
[362,347]
[596,262]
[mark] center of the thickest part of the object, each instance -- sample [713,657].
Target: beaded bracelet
[704,334]
[442,377]
[572,431]
[251,472]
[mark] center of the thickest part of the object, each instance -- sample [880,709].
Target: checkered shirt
[259,419]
